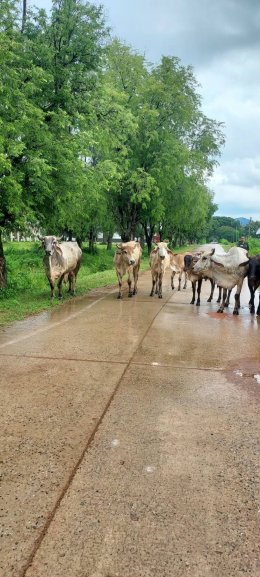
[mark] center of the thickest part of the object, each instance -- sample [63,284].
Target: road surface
[129,439]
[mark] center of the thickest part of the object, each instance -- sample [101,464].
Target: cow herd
[225,269]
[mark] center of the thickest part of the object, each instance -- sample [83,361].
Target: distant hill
[243,221]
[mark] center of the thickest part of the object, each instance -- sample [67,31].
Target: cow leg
[74,277]
[193,284]
[71,289]
[160,277]
[185,280]
[119,276]
[179,286]
[224,295]
[212,282]
[252,299]
[228,298]
[59,287]
[51,283]
[237,297]
[129,282]
[135,273]
[219,294]
[198,292]
[172,279]
[237,304]
[258,308]
[154,282]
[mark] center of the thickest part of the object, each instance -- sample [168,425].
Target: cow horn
[59,238]
[40,237]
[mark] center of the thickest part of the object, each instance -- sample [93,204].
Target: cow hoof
[159,296]
[209,300]
[235,312]
[130,295]
[220,311]
[60,297]
[192,302]
[119,296]
[151,294]
[134,292]
[198,304]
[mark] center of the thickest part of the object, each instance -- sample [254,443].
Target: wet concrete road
[129,439]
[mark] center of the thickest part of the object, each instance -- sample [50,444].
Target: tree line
[93,137]
[230,229]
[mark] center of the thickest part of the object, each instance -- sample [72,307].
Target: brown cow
[127,260]
[160,259]
[178,266]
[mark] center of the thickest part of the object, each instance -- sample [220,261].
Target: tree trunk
[148,237]
[3,271]
[91,241]
[24,14]
[109,240]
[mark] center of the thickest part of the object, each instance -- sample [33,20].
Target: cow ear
[58,249]
[212,252]
[244,263]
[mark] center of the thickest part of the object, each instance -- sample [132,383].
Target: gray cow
[62,262]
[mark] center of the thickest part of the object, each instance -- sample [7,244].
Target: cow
[160,260]
[62,262]
[254,282]
[178,266]
[127,259]
[189,262]
[227,270]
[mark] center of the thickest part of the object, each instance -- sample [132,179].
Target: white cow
[227,270]
[62,262]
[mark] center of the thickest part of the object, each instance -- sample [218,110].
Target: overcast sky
[221,40]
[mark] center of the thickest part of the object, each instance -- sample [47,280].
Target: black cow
[254,282]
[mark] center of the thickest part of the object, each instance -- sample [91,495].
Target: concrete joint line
[52,514]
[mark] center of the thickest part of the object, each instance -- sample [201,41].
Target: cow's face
[162,250]
[203,263]
[49,244]
[126,253]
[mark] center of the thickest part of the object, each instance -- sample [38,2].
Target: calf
[178,266]
[254,282]
[62,262]
[127,260]
[160,259]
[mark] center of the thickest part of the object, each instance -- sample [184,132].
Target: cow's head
[204,261]
[162,249]
[126,251]
[50,244]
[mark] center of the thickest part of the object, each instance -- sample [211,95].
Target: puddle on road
[245,372]
[224,316]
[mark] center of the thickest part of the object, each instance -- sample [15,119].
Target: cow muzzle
[132,261]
